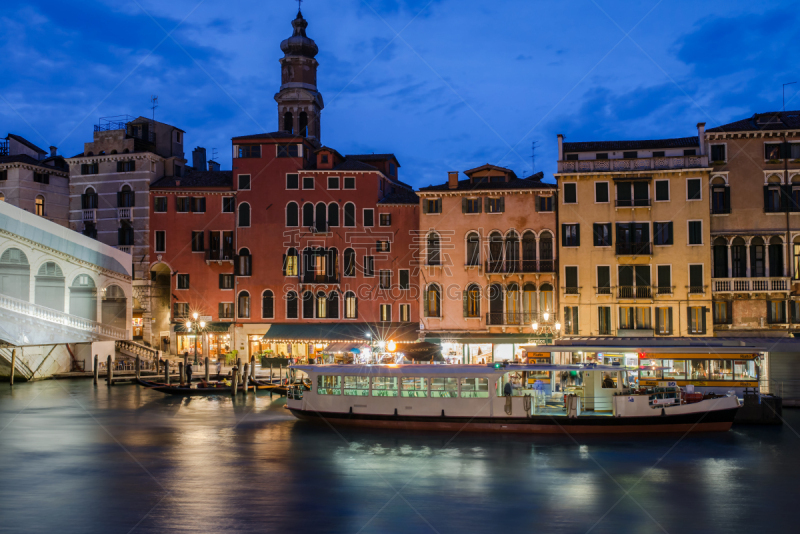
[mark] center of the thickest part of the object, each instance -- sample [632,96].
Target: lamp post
[198,328]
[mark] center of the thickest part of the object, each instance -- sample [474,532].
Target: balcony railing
[603,290]
[520,266]
[125,248]
[125,214]
[3,147]
[633,165]
[634,292]
[572,290]
[220,255]
[635,203]
[634,249]
[696,290]
[311,277]
[90,215]
[518,318]
[750,285]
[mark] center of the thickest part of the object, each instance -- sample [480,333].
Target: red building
[299,250]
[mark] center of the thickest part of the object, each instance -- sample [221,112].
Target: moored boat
[475,398]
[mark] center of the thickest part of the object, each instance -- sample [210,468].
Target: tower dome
[299,44]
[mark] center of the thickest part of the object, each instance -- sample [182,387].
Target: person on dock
[219,368]
[189,375]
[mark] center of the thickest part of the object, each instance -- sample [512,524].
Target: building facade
[634,243]
[756,244]
[488,264]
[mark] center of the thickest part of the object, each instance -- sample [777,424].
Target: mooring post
[109,371]
[239,368]
[270,371]
[280,374]
[96,368]
[166,372]
[253,367]
[137,367]
[13,366]
[234,380]
[181,371]
[245,378]
[206,367]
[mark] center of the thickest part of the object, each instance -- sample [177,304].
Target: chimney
[177,183]
[560,147]
[199,159]
[213,165]
[452,179]
[53,151]
[701,137]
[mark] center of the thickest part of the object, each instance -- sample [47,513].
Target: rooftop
[374,157]
[25,142]
[644,144]
[512,184]
[282,134]
[192,178]
[771,120]
[400,196]
[56,163]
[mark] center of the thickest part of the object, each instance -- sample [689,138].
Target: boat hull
[710,421]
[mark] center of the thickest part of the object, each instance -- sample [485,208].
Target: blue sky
[465,82]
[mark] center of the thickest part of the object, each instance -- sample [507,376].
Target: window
[722,312]
[604,320]
[292,214]
[329,385]
[308,182]
[633,194]
[571,280]
[124,234]
[333,214]
[350,305]
[382,246]
[369,217]
[333,182]
[662,233]
[159,204]
[225,310]
[446,388]
[473,257]
[405,313]
[720,199]
[90,168]
[772,151]
[244,263]
[290,264]
[291,305]
[695,233]
[433,249]
[662,190]
[369,266]
[385,219]
[292,181]
[183,281]
[3,175]
[601,155]
[602,234]
[226,281]
[433,301]
[690,152]
[571,235]
[634,281]
[244,215]
[386,313]
[472,301]
[322,305]
[693,189]
[178,171]
[198,242]
[384,386]
[349,262]
[385,277]
[182,204]
[243,305]
[471,205]
[126,198]
[697,320]
[475,388]
[495,205]
[228,205]
[288,151]
[126,166]
[432,205]
[404,279]
[180,310]
[696,279]
[198,204]
[349,214]
[250,151]
[658,153]
[773,201]
[718,153]
[664,279]
[572,157]
[570,193]
[356,386]
[603,280]
[161,241]
[664,321]
[244,182]
[545,203]
[630,155]
[571,320]
[349,182]
[601,192]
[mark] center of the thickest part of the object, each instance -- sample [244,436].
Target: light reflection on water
[76,458]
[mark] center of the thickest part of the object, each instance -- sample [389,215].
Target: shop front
[213,340]
[486,349]
[137,326]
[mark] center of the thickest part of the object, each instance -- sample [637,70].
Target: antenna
[154,105]
[299,5]
[534,146]
[784,94]
[214,154]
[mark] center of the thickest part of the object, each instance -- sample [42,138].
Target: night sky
[465,82]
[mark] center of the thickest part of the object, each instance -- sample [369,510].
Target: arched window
[757,265]
[244,263]
[114,307]
[288,122]
[512,252]
[15,274]
[495,252]
[83,297]
[512,304]
[349,214]
[303,124]
[333,214]
[291,305]
[546,299]
[775,256]
[292,214]
[244,215]
[267,305]
[433,301]
[528,302]
[496,307]
[473,249]
[546,264]
[290,267]
[434,251]
[243,305]
[308,305]
[720,258]
[321,216]
[49,286]
[333,305]
[308,214]
[125,197]
[322,305]
[472,301]
[349,262]
[529,252]
[40,205]
[738,258]
[350,305]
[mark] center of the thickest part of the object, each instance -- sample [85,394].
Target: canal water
[80,458]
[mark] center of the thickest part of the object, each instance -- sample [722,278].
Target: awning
[341,332]
[421,352]
[180,328]
[344,347]
[485,337]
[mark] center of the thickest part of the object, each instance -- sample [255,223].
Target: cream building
[634,241]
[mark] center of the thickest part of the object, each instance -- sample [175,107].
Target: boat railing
[295,393]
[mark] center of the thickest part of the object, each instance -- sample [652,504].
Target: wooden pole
[239,368]
[138,367]
[181,370]
[234,380]
[96,368]
[109,371]
[245,378]
[207,371]
[166,372]
[280,373]
[270,371]
[253,367]
[13,366]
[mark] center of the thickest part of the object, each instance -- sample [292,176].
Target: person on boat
[226,381]
[607,382]
[219,368]
[188,375]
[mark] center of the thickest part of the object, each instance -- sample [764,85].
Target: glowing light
[202,324]
[558,327]
[392,346]
[535,326]
[188,325]
[381,344]
[369,335]
[546,316]
[195,315]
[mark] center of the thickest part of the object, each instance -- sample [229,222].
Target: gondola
[283,389]
[186,391]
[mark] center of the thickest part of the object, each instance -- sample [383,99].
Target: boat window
[744,370]
[610,380]
[650,368]
[475,388]
[416,386]
[720,369]
[356,385]
[329,385]
[699,369]
[384,386]
[444,387]
[676,369]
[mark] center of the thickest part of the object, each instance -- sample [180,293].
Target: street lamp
[198,327]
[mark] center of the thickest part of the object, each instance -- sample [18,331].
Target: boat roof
[450,370]
[649,345]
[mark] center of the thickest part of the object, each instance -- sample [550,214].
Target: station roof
[331,332]
[695,345]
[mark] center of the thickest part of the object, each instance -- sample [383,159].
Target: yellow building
[634,241]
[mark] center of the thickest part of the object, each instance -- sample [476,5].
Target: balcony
[311,277]
[125,214]
[696,290]
[634,249]
[90,215]
[633,165]
[751,285]
[635,203]
[220,255]
[3,147]
[634,292]
[519,266]
[517,319]
[125,248]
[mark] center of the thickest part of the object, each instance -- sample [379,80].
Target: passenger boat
[471,398]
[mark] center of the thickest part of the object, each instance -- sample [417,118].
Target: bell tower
[299,102]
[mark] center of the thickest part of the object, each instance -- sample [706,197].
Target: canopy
[341,332]
[421,352]
[345,347]
[210,327]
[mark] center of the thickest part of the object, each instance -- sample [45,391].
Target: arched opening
[125,198]
[308,305]
[290,267]
[320,222]
[775,257]
[292,214]
[333,305]
[546,300]
[472,301]
[546,253]
[333,214]
[350,305]
[433,301]
[720,258]
[244,215]
[512,252]
[495,253]
[244,263]
[288,122]
[243,305]
[303,129]
[349,214]
[528,303]
[738,258]
[496,304]
[434,251]
[512,304]
[349,262]
[473,249]
[757,258]
[291,305]
[40,205]
[15,274]
[322,305]
[50,286]
[796,258]
[308,215]
[114,307]
[268,305]
[83,297]
[529,252]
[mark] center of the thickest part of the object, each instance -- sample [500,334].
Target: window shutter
[669,320]
[621,317]
[658,321]
[203,204]
[355,299]
[577,235]
[575,328]
[766,198]
[486,204]
[465,298]
[703,311]
[119,166]
[480,206]
[563,234]
[284,265]
[537,202]
[502,204]
[669,233]
[464,205]
[425,302]
[726,199]
[424,208]
[119,198]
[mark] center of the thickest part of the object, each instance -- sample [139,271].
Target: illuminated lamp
[188,325]
[392,346]
[546,316]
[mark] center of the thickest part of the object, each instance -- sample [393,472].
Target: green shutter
[703,311]
[669,320]
[502,205]
[726,199]
[464,205]
[466,293]
[425,303]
